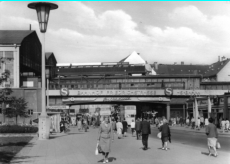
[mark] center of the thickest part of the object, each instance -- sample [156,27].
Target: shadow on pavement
[22,159]
[66,134]
[111,159]
[205,153]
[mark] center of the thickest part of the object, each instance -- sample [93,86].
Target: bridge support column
[183,111]
[168,111]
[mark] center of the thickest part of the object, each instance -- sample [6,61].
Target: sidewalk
[79,147]
[188,129]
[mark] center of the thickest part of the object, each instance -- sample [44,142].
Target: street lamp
[48,76]
[43,9]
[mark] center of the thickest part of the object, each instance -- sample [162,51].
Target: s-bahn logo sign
[168,91]
[64,91]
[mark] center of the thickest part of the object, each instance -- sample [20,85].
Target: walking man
[146,130]
[138,128]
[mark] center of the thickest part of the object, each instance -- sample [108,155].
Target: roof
[214,68]
[123,60]
[181,69]
[48,54]
[134,58]
[13,36]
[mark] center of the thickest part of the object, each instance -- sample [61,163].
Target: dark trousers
[137,134]
[145,140]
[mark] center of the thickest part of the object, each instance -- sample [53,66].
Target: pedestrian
[145,130]
[114,125]
[187,121]
[138,128]
[119,128]
[181,121]
[62,125]
[193,123]
[198,123]
[85,124]
[227,125]
[165,135]
[212,135]
[156,121]
[105,137]
[125,127]
[79,124]
[201,122]
[206,122]
[132,124]
[223,125]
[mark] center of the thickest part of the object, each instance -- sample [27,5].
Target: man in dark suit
[138,128]
[146,130]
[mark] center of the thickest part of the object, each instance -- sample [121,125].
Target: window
[159,80]
[154,80]
[172,80]
[113,80]
[166,80]
[142,80]
[135,80]
[30,112]
[148,80]
[7,63]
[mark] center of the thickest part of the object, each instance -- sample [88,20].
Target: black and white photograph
[120,82]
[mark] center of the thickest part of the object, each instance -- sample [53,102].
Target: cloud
[179,37]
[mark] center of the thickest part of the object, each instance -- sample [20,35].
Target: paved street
[78,148]
[196,138]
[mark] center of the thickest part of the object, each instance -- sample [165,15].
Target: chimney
[174,63]
[219,58]
[155,65]
[138,53]
[30,27]
[182,63]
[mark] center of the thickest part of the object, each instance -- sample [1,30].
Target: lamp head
[43,10]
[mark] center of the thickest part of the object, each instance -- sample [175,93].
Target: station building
[173,90]
[168,89]
[20,54]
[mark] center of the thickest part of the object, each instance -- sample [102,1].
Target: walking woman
[212,135]
[165,134]
[79,124]
[119,128]
[105,137]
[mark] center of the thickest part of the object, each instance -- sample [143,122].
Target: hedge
[18,129]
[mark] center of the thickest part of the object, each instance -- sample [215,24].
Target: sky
[108,31]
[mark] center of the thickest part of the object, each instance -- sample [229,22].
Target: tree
[18,107]
[5,92]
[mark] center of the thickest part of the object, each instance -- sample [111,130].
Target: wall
[223,75]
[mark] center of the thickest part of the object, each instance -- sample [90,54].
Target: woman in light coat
[105,137]
[119,128]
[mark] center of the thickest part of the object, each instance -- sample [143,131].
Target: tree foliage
[17,107]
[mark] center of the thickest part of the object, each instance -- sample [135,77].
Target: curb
[18,135]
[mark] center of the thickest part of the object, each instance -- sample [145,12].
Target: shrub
[18,129]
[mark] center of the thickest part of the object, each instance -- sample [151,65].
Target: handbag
[218,145]
[96,151]
[159,135]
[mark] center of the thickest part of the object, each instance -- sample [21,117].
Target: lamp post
[43,9]
[48,76]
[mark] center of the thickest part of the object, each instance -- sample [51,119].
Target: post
[196,111]
[168,111]
[47,93]
[44,121]
[209,107]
